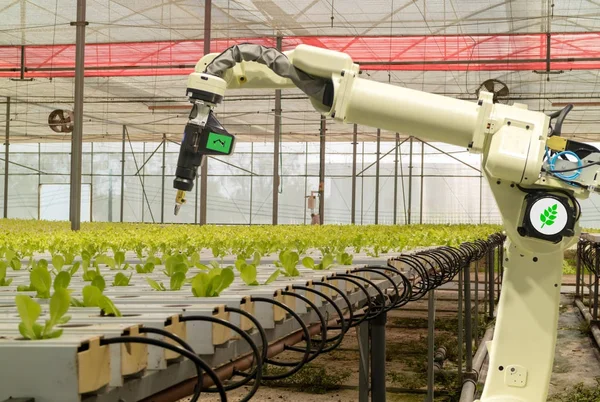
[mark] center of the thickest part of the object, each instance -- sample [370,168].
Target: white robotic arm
[525,162]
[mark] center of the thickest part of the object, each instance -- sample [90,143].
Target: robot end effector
[203,136]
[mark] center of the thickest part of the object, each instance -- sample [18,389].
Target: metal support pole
[162,192]
[276,145]
[498,265]
[91,180]
[421,189]
[589,286]
[578,270]
[378,377]
[430,346]
[305,174]
[252,183]
[362,185]
[476,323]
[377,176]
[76,137]
[363,362]
[410,168]
[459,353]
[480,199]
[468,320]
[40,180]
[123,175]
[323,130]
[143,176]
[395,220]
[597,265]
[491,275]
[204,167]
[485,283]
[6,155]
[354,145]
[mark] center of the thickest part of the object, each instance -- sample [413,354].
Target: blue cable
[552,162]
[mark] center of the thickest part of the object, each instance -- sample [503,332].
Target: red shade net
[568,51]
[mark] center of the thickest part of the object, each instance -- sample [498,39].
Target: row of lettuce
[169,259]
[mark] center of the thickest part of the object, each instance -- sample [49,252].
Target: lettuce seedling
[58,262]
[62,280]
[325,263]
[345,258]
[3,280]
[12,259]
[121,279]
[74,268]
[29,311]
[41,281]
[248,272]
[175,264]
[93,297]
[147,268]
[212,283]
[119,259]
[176,282]
[99,282]
[106,260]
[288,261]
[156,285]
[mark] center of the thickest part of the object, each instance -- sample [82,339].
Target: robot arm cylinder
[399,109]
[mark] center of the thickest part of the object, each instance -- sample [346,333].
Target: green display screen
[219,142]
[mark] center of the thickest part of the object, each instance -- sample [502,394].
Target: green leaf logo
[549,215]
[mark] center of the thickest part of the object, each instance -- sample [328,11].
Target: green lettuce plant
[3,280]
[212,283]
[325,263]
[121,279]
[344,258]
[93,297]
[29,311]
[248,271]
[62,280]
[147,268]
[175,282]
[40,281]
[288,260]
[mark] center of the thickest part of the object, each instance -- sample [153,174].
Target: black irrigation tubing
[344,328]
[182,343]
[252,374]
[588,252]
[357,321]
[307,350]
[256,373]
[370,283]
[329,300]
[320,342]
[200,364]
[429,269]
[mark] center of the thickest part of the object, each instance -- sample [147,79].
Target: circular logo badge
[548,216]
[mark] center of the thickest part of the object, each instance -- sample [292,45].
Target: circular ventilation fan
[61,121]
[497,88]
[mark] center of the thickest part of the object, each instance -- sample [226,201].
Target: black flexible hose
[200,364]
[184,344]
[369,304]
[323,340]
[257,372]
[304,328]
[334,305]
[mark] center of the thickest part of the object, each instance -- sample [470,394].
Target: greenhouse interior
[235,200]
